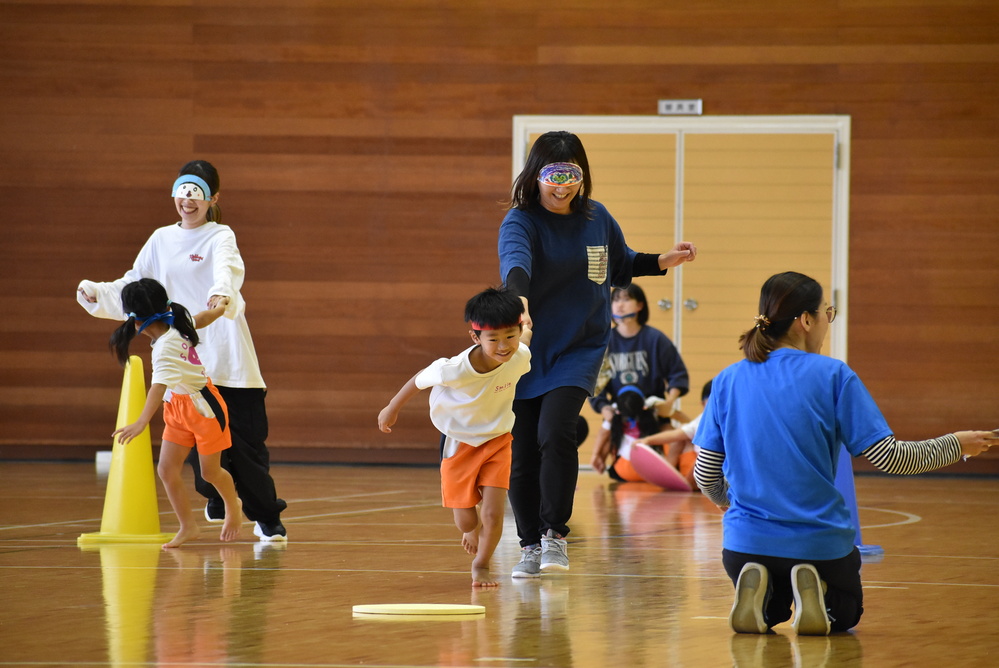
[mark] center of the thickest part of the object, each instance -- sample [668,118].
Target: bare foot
[185,534]
[482,578]
[232,524]
[470,541]
[230,528]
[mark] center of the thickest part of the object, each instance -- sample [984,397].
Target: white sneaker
[270,532]
[810,618]
[752,590]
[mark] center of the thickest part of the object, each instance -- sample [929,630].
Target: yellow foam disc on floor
[426,609]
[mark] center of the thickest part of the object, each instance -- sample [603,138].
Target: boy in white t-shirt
[471,403]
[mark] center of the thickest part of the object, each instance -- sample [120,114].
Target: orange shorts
[464,472]
[687,461]
[623,468]
[186,427]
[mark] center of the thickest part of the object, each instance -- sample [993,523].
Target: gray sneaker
[530,563]
[553,553]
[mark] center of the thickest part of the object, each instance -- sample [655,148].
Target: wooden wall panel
[364,148]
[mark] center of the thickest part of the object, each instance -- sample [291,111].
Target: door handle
[664,304]
[690,304]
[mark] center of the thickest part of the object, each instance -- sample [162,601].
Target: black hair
[495,308]
[140,300]
[638,294]
[205,170]
[782,299]
[558,146]
[706,391]
[630,402]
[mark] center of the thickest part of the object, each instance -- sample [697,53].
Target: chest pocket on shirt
[596,264]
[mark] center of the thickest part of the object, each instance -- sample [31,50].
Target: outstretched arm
[682,252]
[665,437]
[153,401]
[208,316]
[913,457]
[388,415]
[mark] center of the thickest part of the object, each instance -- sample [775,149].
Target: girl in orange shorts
[194,413]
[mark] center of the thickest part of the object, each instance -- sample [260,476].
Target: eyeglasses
[830,314]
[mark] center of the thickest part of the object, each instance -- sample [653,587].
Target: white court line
[169,512]
[909,518]
[363,512]
[506,659]
[225,664]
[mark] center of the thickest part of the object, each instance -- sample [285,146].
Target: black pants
[545,463]
[247,461]
[844,594]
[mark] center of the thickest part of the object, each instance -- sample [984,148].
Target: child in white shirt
[471,403]
[194,412]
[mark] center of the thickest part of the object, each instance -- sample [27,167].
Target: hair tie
[762,322]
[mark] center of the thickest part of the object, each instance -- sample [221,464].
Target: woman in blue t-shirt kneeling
[770,440]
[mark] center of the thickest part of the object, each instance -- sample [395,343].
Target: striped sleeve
[709,478]
[912,457]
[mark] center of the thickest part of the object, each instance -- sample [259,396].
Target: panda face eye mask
[189,186]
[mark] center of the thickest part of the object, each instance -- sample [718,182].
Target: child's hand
[598,463]
[387,418]
[128,432]
[218,300]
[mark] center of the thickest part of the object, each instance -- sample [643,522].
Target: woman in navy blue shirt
[560,252]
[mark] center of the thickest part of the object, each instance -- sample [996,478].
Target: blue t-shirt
[648,360]
[572,261]
[780,425]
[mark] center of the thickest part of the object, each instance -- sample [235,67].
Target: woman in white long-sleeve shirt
[198,262]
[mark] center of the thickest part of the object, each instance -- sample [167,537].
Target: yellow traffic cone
[131,510]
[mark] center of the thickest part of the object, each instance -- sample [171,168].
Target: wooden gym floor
[646,586]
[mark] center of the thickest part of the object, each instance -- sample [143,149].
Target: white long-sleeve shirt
[193,265]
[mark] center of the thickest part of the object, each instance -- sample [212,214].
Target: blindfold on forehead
[561,174]
[190,186]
